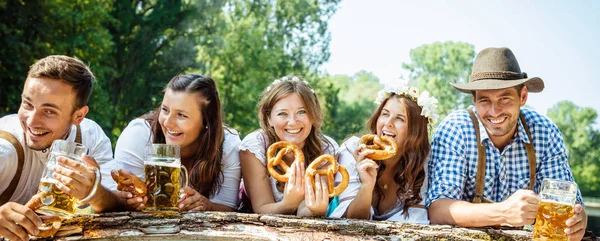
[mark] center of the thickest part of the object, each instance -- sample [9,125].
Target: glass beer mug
[164,176]
[557,199]
[55,201]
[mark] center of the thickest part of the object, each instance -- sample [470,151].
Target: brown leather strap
[480,178]
[78,135]
[7,194]
[530,154]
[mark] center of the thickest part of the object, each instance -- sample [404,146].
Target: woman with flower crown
[288,111]
[392,189]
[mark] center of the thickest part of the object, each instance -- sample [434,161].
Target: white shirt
[130,154]
[256,143]
[92,137]
[346,159]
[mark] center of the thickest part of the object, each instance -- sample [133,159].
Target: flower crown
[427,103]
[286,78]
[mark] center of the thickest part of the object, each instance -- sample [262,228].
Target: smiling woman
[289,111]
[189,116]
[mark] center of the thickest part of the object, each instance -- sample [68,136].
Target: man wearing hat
[494,183]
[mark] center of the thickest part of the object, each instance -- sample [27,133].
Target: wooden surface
[239,226]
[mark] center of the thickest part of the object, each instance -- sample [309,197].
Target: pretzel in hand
[275,155]
[128,182]
[330,172]
[385,147]
[51,223]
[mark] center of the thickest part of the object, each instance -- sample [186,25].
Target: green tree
[434,66]
[582,141]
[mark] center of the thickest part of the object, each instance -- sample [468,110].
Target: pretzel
[128,182]
[385,147]
[276,159]
[333,167]
[51,223]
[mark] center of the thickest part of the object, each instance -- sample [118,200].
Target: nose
[292,119]
[33,118]
[389,122]
[169,121]
[495,110]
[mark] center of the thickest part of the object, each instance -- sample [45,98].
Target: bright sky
[555,40]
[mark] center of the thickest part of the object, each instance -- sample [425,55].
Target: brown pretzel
[276,159]
[385,147]
[333,168]
[128,182]
[51,223]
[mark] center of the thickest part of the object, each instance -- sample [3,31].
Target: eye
[164,109]
[301,112]
[281,114]
[27,105]
[182,115]
[385,113]
[49,112]
[401,118]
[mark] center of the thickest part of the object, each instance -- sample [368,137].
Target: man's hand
[576,225]
[16,221]
[75,178]
[520,208]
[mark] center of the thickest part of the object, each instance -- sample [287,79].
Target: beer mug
[557,199]
[55,201]
[164,176]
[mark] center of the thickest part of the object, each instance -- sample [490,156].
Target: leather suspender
[478,197]
[7,194]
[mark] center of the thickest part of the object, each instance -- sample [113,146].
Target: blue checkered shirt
[453,160]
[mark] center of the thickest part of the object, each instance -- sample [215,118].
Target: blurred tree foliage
[582,140]
[434,66]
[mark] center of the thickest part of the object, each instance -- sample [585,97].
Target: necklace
[385,186]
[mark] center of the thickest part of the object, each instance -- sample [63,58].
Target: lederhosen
[478,197]
[7,194]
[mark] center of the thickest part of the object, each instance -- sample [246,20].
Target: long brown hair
[294,85]
[206,173]
[410,174]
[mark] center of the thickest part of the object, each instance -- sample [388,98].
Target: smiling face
[290,120]
[47,111]
[499,110]
[393,121]
[180,119]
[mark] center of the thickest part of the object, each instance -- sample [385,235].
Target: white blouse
[130,154]
[346,159]
[256,143]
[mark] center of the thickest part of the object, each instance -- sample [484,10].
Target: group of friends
[508,148]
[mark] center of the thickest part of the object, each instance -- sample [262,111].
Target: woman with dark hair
[189,116]
[392,189]
[289,110]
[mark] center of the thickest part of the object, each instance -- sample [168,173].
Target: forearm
[105,200]
[360,207]
[275,208]
[465,214]
[220,207]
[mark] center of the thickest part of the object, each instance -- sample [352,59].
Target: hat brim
[534,84]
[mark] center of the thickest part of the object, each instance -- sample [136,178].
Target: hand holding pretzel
[383,147]
[51,223]
[128,182]
[330,172]
[276,159]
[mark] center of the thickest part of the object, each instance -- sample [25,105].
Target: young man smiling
[487,163]
[54,105]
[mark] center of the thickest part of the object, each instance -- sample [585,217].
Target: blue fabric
[453,160]
[332,205]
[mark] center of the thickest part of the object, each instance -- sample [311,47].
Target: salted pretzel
[385,147]
[330,172]
[275,155]
[128,182]
[51,223]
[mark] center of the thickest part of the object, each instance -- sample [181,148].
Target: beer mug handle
[184,172]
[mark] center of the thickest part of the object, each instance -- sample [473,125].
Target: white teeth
[173,133]
[293,131]
[496,121]
[37,133]
[387,133]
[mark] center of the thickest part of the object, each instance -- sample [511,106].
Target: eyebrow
[175,109]
[43,105]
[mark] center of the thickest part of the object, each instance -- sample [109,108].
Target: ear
[524,95]
[473,98]
[269,121]
[79,114]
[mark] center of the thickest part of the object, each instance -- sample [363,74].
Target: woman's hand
[294,188]
[317,199]
[366,168]
[191,200]
[132,202]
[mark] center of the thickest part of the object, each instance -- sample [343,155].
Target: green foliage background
[135,47]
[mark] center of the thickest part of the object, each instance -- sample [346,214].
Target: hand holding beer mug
[164,176]
[55,201]
[557,199]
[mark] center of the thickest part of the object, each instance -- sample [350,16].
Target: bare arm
[258,188]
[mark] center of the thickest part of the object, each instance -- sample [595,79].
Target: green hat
[497,68]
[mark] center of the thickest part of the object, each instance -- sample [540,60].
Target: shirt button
[503,176]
